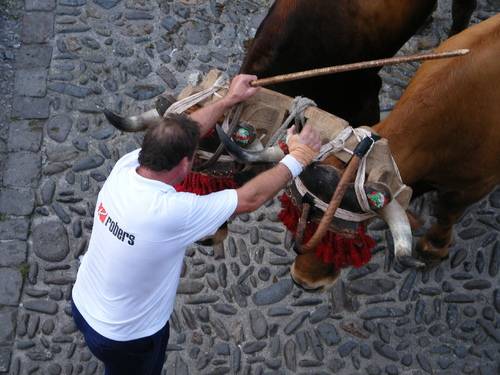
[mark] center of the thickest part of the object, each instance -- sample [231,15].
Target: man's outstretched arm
[303,148]
[239,90]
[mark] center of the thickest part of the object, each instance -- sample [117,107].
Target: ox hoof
[310,274]
[429,253]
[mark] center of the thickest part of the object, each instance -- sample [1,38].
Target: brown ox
[300,35]
[444,134]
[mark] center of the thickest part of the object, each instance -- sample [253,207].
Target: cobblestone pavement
[237,311]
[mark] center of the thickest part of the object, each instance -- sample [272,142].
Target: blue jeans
[144,356]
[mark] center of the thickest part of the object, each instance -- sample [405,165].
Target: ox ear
[268,155]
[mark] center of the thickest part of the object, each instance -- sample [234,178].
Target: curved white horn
[132,123]
[268,155]
[395,216]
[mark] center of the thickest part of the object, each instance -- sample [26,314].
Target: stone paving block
[12,253]
[31,82]
[18,202]
[42,5]
[24,136]
[11,283]
[35,56]
[7,324]
[14,228]
[30,108]
[38,27]
[22,169]
[5,354]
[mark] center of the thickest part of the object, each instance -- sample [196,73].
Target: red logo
[102,213]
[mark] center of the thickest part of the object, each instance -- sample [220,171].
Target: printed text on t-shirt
[113,226]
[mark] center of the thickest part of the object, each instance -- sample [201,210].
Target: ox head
[322,178]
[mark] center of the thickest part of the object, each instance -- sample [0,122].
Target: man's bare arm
[239,90]
[266,185]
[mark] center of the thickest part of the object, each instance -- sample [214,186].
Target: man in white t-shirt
[126,285]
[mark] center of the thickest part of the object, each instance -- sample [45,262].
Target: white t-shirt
[127,281]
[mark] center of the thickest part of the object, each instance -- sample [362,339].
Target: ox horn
[395,216]
[132,123]
[267,155]
[139,123]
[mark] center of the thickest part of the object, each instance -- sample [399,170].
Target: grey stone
[138,15]
[224,309]
[33,56]
[253,347]
[346,348]
[88,162]
[47,191]
[494,265]
[102,132]
[370,287]
[5,355]
[290,354]
[22,169]
[58,127]
[61,213]
[24,136]
[144,91]
[31,82]
[196,33]
[14,229]
[7,324]
[38,27]
[328,333]
[296,322]
[30,108]
[471,233]
[189,287]
[107,4]
[169,23]
[12,253]
[258,324]
[11,283]
[17,201]
[382,312]
[46,5]
[167,76]
[70,89]
[41,306]
[123,50]
[386,351]
[50,241]
[274,293]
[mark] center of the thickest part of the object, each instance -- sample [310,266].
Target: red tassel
[203,184]
[333,248]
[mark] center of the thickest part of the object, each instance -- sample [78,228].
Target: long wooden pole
[356,66]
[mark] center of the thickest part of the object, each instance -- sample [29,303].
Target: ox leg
[461,11]
[310,273]
[219,236]
[450,207]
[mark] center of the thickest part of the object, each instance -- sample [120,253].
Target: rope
[297,109]
[183,104]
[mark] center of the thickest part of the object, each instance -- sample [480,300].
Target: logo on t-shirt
[102,213]
[113,226]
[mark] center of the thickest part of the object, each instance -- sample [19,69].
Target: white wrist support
[293,165]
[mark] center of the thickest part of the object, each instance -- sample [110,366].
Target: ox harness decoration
[302,209]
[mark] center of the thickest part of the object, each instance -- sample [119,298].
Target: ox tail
[132,123]
[397,220]
[267,155]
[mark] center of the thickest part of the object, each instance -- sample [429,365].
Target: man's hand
[240,89]
[304,146]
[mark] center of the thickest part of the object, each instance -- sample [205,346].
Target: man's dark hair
[167,141]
